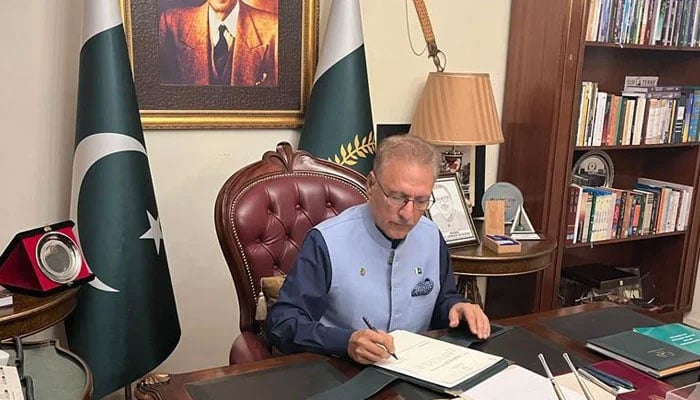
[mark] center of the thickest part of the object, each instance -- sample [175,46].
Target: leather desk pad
[593,324]
[522,347]
[298,381]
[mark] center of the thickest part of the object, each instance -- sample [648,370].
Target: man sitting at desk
[381,261]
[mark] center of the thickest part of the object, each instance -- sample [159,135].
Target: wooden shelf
[623,46]
[624,240]
[547,62]
[637,147]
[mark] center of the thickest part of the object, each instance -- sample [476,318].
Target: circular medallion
[58,257]
[509,193]
[593,168]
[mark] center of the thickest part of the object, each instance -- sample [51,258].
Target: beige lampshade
[458,110]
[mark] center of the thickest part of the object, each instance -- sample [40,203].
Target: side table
[470,262]
[57,373]
[31,314]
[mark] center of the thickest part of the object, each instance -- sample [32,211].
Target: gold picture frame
[451,213]
[186,105]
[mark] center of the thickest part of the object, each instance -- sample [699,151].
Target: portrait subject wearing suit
[449,219]
[220,42]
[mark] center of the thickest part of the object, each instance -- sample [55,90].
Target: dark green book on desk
[644,353]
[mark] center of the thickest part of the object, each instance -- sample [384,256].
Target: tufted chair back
[262,215]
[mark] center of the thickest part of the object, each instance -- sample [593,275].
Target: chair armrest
[248,347]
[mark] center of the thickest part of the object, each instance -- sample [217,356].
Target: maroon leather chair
[262,215]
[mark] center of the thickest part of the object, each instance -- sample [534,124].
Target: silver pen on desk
[597,382]
[586,391]
[555,385]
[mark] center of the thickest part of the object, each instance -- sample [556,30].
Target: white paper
[435,361]
[569,380]
[525,236]
[517,382]
[10,386]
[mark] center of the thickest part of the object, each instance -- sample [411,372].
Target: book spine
[634,218]
[642,23]
[621,214]
[571,216]
[694,118]
[686,118]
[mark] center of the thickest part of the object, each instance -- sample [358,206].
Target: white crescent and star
[154,232]
[88,152]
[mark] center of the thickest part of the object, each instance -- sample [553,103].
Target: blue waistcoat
[371,279]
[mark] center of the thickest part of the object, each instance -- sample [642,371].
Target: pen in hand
[370,326]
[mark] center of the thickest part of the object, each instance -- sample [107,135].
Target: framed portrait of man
[450,212]
[222,63]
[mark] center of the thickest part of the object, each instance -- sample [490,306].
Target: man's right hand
[365,346]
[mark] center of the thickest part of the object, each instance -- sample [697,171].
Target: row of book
[651,207]
[644,22]
[640,115]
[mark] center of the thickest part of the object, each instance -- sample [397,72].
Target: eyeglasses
[400,200]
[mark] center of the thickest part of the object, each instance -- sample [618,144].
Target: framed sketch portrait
[222,63]
[450,212]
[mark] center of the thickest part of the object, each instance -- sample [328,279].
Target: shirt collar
[231,21]
[394,242]
[380,237]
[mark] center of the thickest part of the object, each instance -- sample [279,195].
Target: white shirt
[231,22]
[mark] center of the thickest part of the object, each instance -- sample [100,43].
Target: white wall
[473,34]
[37,111]
[693,317]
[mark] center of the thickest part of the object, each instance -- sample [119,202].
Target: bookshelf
[548,59]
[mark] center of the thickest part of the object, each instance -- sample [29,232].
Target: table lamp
[457,109]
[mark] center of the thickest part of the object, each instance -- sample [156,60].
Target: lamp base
[452,162]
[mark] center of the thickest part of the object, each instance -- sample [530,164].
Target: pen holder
[689,392]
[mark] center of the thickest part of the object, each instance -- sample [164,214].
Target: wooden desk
[175,388]
[30,314]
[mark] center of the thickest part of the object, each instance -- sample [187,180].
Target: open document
[434,361]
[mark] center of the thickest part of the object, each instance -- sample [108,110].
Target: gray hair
[409,148]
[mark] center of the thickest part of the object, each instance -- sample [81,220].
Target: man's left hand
[476,319]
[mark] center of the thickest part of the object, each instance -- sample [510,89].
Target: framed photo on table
[260,79]
[451,213]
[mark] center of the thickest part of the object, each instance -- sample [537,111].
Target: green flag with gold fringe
[338,124]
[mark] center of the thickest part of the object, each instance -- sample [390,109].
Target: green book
[679,335]
[645,353]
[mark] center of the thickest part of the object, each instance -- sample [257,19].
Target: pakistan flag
[126,322]
[338,122]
